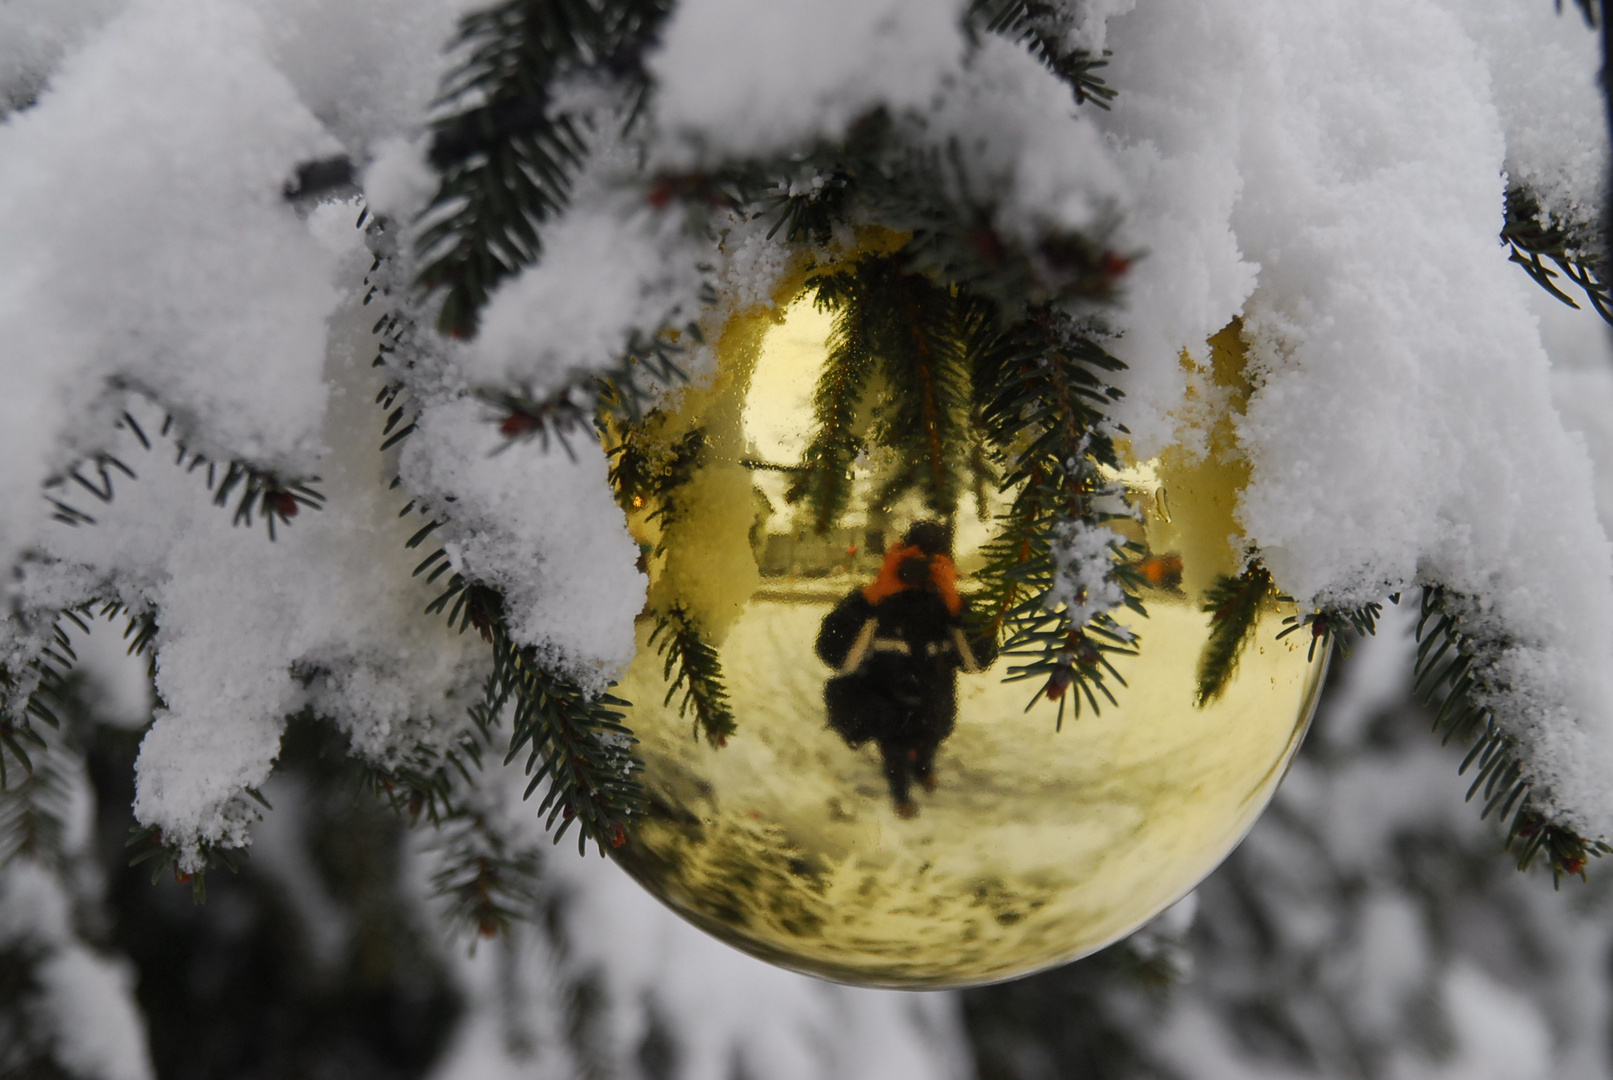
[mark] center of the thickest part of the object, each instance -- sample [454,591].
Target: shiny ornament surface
[1031,842]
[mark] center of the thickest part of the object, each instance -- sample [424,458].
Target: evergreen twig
[823,485]
[619,394]
[1235,605]
[1451,677]
[146,844]
[1043,406]
[503,150]
[1043,28]
[906,329]
[1331,624]
[693,667]
[261,491]
[574,740]
[486,881]
[1535,241]
[33,814]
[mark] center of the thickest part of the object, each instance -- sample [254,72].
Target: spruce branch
[424,785]
[1057,651]
[1536,240]
[1235,605]
[693,667]
[692,664]
[29,1049]
[485,881]
[260,491]
[671,471]
[1042,400]
[1333,624]
[1044,28]
[32,693]
[823,483]
[504,152]
[574,740]
[907,330]
[1451,677]
[926,373]
[619,394]
[33,813]
[147,845]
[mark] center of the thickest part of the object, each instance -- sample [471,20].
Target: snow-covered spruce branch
[505,152]
[1046,30]
[1464,678]
[1046,401]
[1539,244]
[255,490]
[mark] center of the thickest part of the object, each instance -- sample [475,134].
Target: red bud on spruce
[282,503]
[519,423]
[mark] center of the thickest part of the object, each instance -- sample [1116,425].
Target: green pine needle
[692,666]
[1451,680]
[1235,605]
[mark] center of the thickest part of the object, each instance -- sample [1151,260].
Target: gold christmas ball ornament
[874,749]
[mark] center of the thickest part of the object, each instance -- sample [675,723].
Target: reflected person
[896,646]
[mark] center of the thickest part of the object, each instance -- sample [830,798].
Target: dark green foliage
[254,490]
[505,156]
[263,492]
[487,883]
[1235,605]
[884,175]
[1042,27]
[27,696]
[692,666]
[273,500]
[971,396]
[906,330]
[669,473]
[574,740]
[1043,397]
[1077,1022]
[102,466]
[1452,677]
[34,797]
[33,814]
[823,484]
[1332,623]
[589,402]
[147,846]
[1051,647]
[1535,241]
[1040,406]
[909,321]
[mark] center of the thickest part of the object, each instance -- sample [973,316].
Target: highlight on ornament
[920,702]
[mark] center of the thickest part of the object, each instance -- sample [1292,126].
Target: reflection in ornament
[871,800]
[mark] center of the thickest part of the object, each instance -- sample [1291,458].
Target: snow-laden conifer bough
[311,315]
